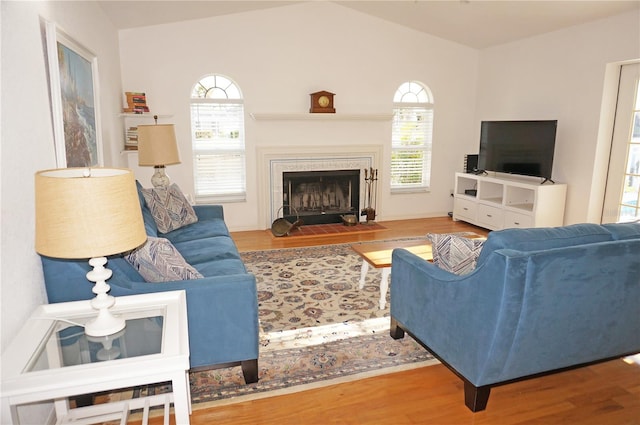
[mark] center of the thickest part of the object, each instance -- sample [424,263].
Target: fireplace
[319,197]
[274,162]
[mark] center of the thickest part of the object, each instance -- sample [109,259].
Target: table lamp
[89,213]
[157,147]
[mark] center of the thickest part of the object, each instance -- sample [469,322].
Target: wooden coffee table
[378,254]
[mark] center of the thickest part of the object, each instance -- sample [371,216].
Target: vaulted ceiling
[474,23]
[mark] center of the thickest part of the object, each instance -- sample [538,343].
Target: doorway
[622,194]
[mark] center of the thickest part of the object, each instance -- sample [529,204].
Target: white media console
[505,201]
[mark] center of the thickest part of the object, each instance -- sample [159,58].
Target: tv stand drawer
[512,219]
[491,217]
[463,208]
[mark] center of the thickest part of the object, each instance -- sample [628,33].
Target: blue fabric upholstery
[222,307]
[540,300]
[543,238]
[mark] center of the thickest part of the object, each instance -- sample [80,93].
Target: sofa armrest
[207,212]
[222,313]
[456,316]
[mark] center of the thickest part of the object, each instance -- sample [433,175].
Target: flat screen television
[518,147]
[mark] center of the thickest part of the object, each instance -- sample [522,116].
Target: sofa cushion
[222,267]
[623,231]
[203,229]
[159,261]
[203,250]
[543,238]
[455,254]
[169,207]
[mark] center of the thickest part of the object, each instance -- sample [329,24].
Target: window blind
[217,133]
[411,147]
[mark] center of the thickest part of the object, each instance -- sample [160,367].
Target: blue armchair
[538,301]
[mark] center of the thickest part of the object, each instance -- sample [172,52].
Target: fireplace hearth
[320,197]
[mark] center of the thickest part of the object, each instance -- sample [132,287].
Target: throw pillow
[159,261]
[169,208]
[455,254]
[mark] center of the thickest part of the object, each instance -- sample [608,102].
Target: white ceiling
[474,23]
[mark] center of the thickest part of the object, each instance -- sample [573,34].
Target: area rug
[312,286]
[310,358]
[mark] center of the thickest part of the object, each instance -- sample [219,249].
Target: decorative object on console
[322,102]
[471,163]
[371,180]
[89,213]
[157,147]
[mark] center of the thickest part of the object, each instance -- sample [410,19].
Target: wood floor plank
[605,393]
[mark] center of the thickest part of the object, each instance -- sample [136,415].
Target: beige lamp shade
[87,212]
[157,145]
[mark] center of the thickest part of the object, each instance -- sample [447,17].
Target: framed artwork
[73,81]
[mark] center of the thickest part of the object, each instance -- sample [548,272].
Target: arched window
[411,137]
[217,134]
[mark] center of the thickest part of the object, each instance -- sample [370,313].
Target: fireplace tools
[371,182]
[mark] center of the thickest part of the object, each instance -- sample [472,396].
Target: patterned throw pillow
[169,207]
[455,254]
[159,261]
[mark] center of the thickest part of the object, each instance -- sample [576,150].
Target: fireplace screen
[320,196]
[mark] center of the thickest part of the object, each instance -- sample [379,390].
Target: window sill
[406,190]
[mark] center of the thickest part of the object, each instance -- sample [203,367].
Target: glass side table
[52,358]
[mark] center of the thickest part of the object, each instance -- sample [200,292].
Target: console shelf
[500,202]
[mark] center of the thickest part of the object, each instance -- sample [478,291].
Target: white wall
[277,57]
[27,138]
[561,75]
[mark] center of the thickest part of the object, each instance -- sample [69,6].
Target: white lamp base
[105,323]
[160,178]
[108,350]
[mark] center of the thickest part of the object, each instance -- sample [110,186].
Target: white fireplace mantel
[319,117]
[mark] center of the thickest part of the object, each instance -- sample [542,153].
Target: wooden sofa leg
[476,398]
[395,330]
[250,371]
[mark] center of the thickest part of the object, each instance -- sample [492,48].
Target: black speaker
[470,163]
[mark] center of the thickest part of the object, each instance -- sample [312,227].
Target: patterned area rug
[304,287]
[317,325]
[309,358]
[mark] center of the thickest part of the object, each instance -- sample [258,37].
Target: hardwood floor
[606,393]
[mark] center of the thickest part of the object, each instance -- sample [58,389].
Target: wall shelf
[319,117]
[146,115]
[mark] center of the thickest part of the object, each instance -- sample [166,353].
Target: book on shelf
[136,103]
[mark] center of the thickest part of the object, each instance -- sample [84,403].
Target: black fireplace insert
[319,197]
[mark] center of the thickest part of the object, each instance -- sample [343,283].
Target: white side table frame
[26,380]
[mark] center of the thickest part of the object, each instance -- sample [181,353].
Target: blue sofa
[539,300]
[222,307]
